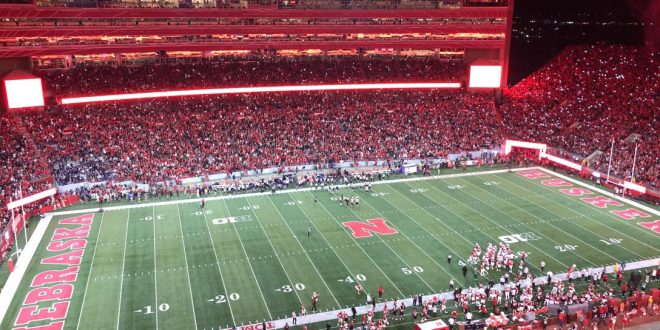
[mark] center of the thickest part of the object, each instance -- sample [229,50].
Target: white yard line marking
[222,278]
[434,236]
[467,205]
[89,276]
[285,191]
[361,248]
[153,220]
[274,251]
[575,222]
[303,249]
[123,263]
[366,200]
[15,278]
[185,256]
[540,219]
[326,241]
[332,315]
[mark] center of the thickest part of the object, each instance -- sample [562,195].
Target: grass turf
[185,269]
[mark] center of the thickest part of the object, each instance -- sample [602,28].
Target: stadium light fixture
[265,89]
[485,76]
[24,93]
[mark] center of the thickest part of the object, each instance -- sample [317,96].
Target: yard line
[359,246]
[89,276]
[573,211]
[473,226]
[411,240]
[222,279]
[491,221]
[394,251]
[330,315]
[271,246]
[534,215]
[256,280]
[153,221]
[609,214]
[303,249]
[123,263]
[185,256]
[433,216]
[324,239]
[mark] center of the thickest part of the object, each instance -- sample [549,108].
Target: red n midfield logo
[361,229]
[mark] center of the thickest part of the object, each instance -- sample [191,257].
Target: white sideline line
[16,277]
[607,193]
[449,295]
[284,191]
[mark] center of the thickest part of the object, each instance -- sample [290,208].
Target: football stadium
[329,164]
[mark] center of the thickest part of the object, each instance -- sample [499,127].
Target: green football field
[245,259]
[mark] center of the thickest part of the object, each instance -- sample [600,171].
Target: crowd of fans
[587,97]
[591,298]
[582,100]
[21,171]
[105,79]
[158,140]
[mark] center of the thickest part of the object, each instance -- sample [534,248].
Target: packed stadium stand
[144,141]
[587,97]
[595,108]
[580,102]
[105,79]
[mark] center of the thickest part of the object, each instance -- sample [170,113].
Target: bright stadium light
[485,76]
[266,89]
[24,93]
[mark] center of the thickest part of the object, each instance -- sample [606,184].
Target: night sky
[542,28]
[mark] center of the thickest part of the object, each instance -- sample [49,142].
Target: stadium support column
[505,53]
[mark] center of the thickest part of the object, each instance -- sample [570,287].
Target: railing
[280,4]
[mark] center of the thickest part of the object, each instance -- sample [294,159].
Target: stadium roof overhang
[165,30]
[17,51]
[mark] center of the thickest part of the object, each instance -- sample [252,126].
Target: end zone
[15,278]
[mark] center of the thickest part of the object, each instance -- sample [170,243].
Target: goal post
[19,219]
